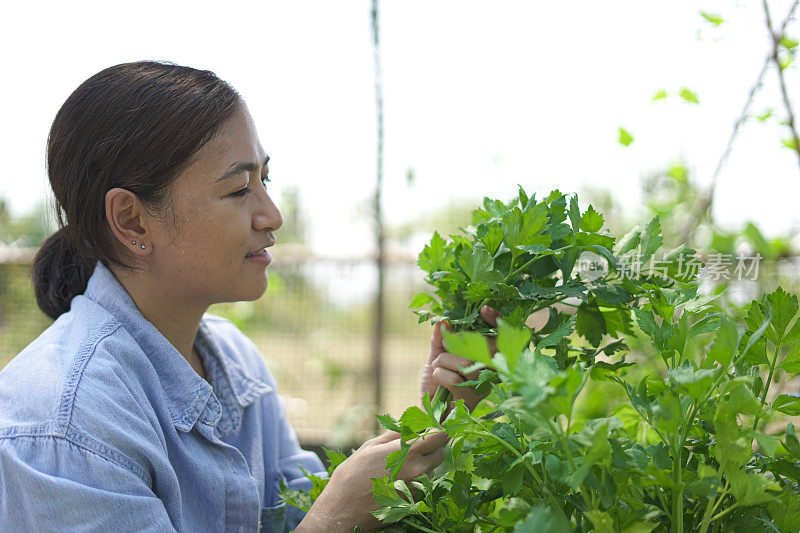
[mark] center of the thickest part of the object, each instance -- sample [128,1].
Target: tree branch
[704,202]
[776,40]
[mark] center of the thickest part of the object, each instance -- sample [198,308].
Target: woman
[137,410]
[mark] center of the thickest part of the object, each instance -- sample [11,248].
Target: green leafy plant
[696,445]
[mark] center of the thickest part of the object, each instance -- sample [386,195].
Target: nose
[267,216]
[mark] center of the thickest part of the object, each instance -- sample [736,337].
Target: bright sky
[478,96]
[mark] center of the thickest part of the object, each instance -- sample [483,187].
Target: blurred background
[386,121]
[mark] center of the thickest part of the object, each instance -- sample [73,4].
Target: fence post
[377,341]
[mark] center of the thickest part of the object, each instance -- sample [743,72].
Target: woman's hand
[443,367]
[347,501]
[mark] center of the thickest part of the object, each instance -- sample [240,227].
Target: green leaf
[574,213]
[659,334]
[511,341]
[521,228]
[477,263]
[768,443]
[785,511]
[458,419]
[629,241]
[694,383]
[590,324]
[792,444]
[388,421]
[591,221]
[688,95]
[659,95]
[394,507]
[421,300]
[335,458]
[789,143]
[787,404]
[712,18]
[791,364]
[625,138]
[602,521]
[396,459]
[523,198]
[295,498]
[784,307]
[667,410]
[512,480]
[726,343]
[477,291]
[468,344]
[651,239]
[765,115]
[434,256]
[493,238]
[542,519]
[563,329]
[415,419]
[788,43]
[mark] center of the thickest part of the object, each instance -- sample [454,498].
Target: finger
[430,443]
[426,463]
[490,315]
[387,436]
[454,363]
[448,379]
[492,345]
[538,320]
[437,340]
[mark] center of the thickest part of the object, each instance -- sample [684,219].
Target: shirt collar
[189,395]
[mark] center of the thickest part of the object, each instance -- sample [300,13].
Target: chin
[256,290]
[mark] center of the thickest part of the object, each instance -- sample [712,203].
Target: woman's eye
[241,192]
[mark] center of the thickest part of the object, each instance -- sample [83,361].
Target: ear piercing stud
[143,247]
[133,242]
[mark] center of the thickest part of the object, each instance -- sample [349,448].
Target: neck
[178,319]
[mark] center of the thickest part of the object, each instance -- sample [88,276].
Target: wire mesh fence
[313,326]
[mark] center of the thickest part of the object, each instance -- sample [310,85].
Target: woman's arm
[347,501]
[49,483]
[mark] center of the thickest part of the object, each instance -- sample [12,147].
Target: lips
[261,250]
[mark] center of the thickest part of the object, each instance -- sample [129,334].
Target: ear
[128,220]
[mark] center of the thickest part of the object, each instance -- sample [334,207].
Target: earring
[143,247]
[133,242]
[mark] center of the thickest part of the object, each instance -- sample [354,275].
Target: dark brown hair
[136,126]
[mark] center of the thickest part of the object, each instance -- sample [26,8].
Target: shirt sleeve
[49,483]
[291,457]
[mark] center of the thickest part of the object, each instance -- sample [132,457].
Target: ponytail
[60,272]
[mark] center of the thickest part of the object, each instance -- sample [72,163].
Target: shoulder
[80,381]
[33,384]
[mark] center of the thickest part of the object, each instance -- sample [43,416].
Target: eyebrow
[240,167]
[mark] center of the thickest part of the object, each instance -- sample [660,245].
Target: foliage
[678,454]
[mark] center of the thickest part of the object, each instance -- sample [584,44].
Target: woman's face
[222,214]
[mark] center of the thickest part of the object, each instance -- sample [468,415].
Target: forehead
[235,141]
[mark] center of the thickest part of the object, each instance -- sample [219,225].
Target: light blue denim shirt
[104,426]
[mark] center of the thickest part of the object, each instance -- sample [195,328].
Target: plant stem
[677,494]
[767,384]
[423,528]
[726,511]
[707,516]
[565,445]
[520,269]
